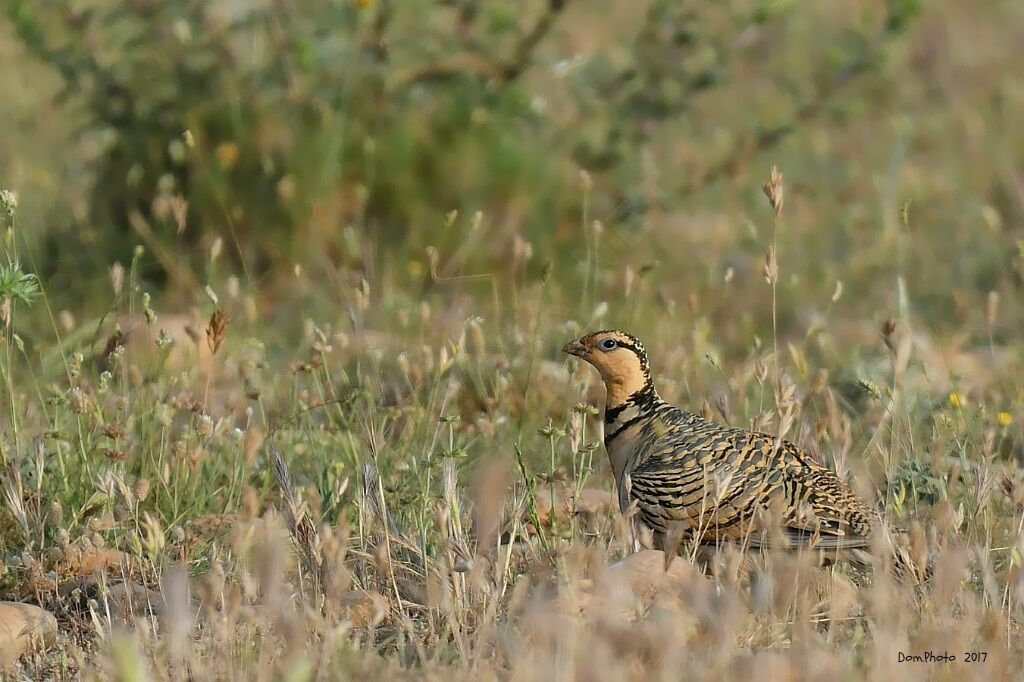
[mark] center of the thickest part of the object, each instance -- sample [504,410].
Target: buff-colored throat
[622,374]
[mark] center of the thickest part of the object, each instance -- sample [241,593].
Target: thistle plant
[16,285]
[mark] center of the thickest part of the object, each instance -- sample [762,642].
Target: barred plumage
[709,483]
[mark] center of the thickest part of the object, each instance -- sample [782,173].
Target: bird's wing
[816,508]
[722,483]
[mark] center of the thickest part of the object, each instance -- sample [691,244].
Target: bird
[693,480]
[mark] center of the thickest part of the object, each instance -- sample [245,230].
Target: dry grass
[195,507]
[374,462]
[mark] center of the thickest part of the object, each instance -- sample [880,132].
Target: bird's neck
[621,421]
[621,408]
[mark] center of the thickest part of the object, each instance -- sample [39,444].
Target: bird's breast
[623,444]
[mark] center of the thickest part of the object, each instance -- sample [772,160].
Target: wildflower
[957,400]
[1004,419]
[227,155]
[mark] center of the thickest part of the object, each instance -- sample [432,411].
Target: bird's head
[619,357]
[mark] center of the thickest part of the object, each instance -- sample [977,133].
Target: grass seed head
[217,330]
[992,308]
[771,267]
[888,332]
[8,207]
[773,189]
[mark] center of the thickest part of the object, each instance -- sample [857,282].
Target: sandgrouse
[696,480]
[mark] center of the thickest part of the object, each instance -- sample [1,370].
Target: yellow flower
[957,399]
[227,154]
[1004,419]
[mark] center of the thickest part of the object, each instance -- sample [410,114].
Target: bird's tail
[910,569]
[906,554]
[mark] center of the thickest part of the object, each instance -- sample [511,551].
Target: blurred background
[620,146]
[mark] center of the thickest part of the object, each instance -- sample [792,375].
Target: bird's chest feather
[623,448]
[624,439]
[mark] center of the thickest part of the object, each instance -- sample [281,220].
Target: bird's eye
[608,344]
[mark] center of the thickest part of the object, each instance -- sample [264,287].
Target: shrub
[273,127]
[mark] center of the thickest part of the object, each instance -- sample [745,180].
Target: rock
[646,571]
[640,584]
[24,627]
[363,608]
[651,582]
[129,601]
[633,607]
[122,602]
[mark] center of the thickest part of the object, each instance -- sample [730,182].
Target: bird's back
[717,483]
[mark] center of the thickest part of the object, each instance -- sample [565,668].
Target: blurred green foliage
[272,126]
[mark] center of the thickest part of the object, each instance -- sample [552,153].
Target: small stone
[129,601]
[24,627]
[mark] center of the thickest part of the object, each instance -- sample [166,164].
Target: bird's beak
[575,348]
